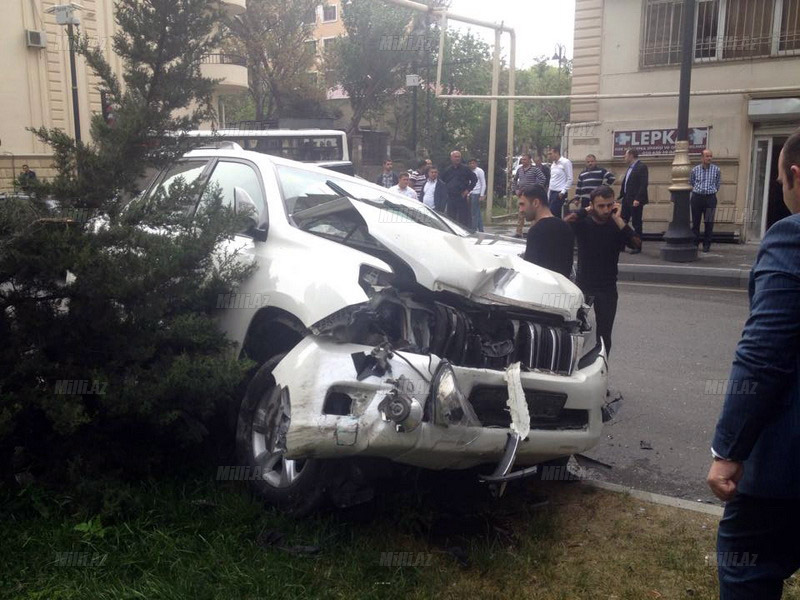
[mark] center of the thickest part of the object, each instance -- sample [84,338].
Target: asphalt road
[669,342]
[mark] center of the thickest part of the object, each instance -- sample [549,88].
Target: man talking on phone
[601,235]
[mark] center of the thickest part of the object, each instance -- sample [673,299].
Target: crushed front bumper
[334,415]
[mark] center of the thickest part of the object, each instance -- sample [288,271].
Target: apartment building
[328,25]
[36,88]
[634,46]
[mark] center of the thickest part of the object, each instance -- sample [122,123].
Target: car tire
[297,487]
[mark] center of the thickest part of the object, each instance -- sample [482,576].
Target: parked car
[384,330]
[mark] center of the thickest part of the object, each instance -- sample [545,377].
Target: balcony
[229,68]
[234,7]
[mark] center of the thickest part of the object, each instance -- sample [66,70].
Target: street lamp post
[74,75]
[680,243]
[65,15]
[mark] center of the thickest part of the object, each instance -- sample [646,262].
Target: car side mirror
[243,204]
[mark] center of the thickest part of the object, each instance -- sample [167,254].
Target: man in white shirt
[560,180]
[403,188]
[477,195]
[434,192]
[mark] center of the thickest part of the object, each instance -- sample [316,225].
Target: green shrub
[110,357]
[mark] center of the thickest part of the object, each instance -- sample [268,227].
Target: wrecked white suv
[384,330]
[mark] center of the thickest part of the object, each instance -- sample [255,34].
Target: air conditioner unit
[35,39]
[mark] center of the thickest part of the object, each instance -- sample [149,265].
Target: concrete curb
[702,276]
[709,509]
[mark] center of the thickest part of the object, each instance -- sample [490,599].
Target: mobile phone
[614,211]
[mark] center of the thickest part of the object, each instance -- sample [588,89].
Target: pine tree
[109,353]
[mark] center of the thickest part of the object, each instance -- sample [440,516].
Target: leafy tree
[467,69]
[274,34]
[540,124]
[366,62]
[110,356]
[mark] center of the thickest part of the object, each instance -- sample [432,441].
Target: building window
[790,26]
[328,13]
[707,35]
[327,43]
[748,28]
[725,30]
[662,33]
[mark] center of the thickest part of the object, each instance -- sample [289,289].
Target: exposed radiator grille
[546,409]
[495,343]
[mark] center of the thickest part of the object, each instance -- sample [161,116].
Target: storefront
[773,121]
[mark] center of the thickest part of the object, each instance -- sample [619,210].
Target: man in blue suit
[756,447]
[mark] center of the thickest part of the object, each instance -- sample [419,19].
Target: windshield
[304,189]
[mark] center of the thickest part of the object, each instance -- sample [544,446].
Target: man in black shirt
[550,240]
[601,235]
[460,180]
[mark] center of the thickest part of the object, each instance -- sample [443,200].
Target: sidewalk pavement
[726,265]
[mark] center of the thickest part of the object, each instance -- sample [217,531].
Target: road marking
[709,509]
[685,287]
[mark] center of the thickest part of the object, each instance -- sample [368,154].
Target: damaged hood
[486,269]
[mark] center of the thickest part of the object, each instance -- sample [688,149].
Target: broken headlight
[578,344]
[584,321]
[450,406]
[373,280]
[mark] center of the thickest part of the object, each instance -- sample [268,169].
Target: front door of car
[232,177]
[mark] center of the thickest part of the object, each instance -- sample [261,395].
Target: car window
[183,173]
[229,175]
[187,171]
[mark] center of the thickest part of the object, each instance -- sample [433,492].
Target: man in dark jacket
[756,446]
[633,195]
[460,180]
[27,179]
[434,192]
[387,178]
[602,235]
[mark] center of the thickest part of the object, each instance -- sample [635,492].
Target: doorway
[766,196]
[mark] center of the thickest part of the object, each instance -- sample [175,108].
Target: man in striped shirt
[705,181]
[419,176]
[527,175]
[590,179]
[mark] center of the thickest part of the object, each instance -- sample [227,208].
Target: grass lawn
[198,539]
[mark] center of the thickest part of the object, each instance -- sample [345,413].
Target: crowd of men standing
[458,191]
[602,223]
